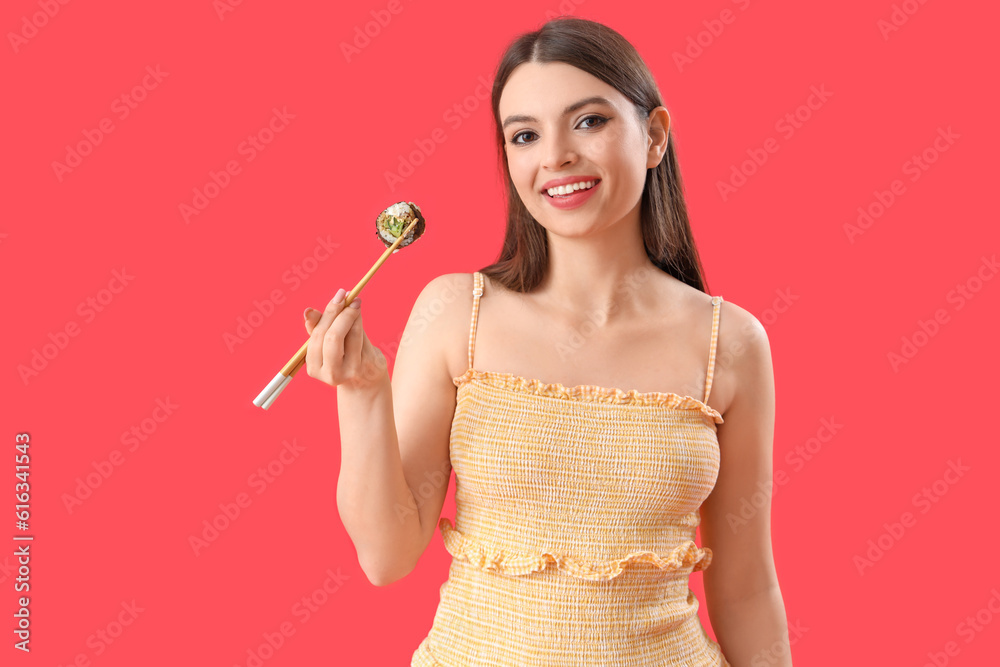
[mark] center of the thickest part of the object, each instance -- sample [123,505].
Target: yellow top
[576,511]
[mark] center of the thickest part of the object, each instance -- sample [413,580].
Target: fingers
[311,317]
[314,353]
[329,338]
[334,340]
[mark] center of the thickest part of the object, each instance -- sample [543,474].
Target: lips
[568,180]
[573,200]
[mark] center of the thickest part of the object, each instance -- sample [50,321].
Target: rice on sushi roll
[392,221]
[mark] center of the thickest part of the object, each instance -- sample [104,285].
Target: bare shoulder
[745,336]
[743,354]
[442,292]
[441,314]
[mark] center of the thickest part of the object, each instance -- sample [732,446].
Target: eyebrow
[596,99]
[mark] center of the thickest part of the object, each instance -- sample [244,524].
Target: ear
[657,132]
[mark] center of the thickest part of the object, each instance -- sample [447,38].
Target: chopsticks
[274,388]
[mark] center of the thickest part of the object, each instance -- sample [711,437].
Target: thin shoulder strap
[716,301]
[477,292]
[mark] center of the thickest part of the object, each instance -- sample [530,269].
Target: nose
[558,151]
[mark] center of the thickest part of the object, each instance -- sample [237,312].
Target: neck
[605,275]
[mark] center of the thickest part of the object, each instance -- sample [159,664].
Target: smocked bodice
[594,478]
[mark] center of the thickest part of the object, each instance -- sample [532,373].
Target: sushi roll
[391,222]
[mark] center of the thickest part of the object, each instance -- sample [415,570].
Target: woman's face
[547,137]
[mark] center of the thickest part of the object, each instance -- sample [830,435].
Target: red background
[163,336]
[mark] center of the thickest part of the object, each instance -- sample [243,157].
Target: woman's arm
[395,460]
[741,585]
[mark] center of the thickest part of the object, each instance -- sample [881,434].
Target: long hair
[605,54]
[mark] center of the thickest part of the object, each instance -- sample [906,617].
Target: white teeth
[566,189]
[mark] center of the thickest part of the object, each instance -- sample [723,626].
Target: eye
[602,120]
[514,140]
[599,120]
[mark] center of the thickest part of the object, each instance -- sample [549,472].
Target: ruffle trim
[462,548]
[587,392]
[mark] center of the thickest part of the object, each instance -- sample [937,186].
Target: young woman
[562,382]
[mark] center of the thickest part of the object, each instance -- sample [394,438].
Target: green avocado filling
[394,225]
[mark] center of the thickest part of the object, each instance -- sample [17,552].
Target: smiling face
[555,130]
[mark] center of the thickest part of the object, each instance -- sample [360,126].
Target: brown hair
[605,54]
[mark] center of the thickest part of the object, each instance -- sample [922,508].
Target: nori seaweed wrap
[391,222]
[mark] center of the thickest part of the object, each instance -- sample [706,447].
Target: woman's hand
[339,352]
